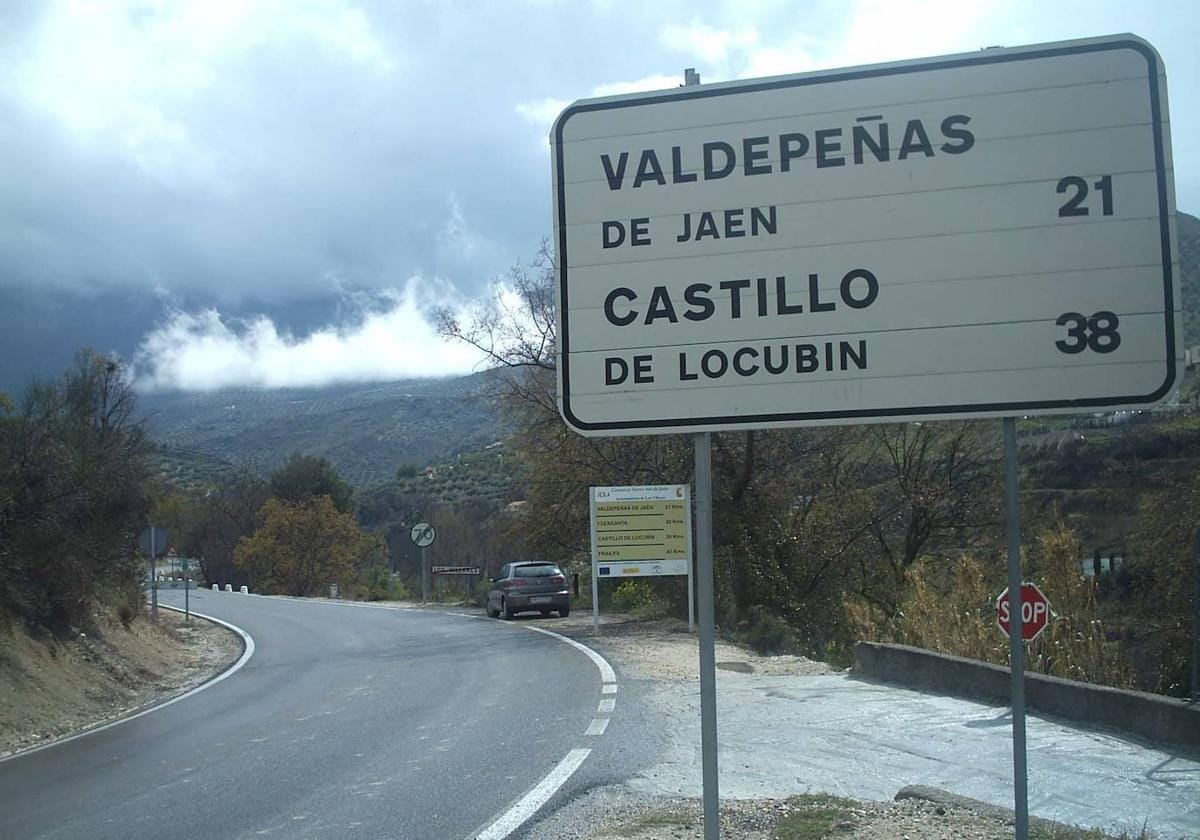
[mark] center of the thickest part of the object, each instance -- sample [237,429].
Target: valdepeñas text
[868,140]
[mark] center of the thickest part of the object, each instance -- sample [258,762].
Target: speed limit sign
[423,534]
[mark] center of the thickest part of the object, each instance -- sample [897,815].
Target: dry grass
[953,611]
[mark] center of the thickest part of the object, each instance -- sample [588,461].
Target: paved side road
[792,726]
[832,733]
[347,722]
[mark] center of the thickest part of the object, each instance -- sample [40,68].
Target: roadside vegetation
[74,479]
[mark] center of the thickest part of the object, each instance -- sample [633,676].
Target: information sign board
[641,531]
[641,568]
[984,234]
[455,570]
[638,525]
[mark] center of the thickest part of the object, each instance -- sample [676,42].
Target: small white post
[595,568]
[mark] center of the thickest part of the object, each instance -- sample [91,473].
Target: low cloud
[392,339]
[542,112]
[647,83]
[708,43]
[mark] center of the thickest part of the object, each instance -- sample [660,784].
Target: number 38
[1097,333]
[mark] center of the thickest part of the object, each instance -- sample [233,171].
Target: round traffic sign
[423,534]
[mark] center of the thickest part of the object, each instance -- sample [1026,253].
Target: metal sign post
[153,541]
[422,536]
[187,609]
[1016,642]
[1196,617]
[153,577]
[595,570]
[708,656]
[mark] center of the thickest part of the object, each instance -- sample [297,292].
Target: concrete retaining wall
[1152,716]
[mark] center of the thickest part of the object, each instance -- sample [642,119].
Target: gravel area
[664,650]
[612,813]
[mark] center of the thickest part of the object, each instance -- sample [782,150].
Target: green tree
[217,518]
[407,470]
[309,476]
[934,485]
[74,468]
[1161,566]
[304,546]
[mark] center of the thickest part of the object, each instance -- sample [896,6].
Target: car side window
[504,571]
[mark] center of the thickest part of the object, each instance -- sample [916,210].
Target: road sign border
[667,425]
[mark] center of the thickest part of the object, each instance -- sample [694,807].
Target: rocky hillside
[367,431]
[1189,269]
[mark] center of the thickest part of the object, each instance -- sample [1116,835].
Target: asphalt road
[347,722]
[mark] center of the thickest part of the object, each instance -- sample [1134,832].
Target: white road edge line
[247,652]
[607,675]
[528,805]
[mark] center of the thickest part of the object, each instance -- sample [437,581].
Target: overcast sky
[295,151]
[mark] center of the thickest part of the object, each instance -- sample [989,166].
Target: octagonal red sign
[1035,612]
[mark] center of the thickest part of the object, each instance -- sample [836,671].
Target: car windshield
[544,570]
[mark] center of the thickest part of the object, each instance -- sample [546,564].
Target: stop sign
[1035,612]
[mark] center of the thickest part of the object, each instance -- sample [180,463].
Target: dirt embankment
[51,688]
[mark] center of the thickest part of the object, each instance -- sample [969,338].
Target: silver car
[530,586]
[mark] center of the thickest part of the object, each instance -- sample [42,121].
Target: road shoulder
[51,689]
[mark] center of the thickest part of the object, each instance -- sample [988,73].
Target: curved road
[347,722]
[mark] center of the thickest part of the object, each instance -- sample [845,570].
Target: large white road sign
[975,235]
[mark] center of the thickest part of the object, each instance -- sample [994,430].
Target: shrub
[375,581]
[640,598]
[769,634]
[955,614]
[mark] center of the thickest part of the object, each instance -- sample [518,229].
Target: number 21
[1074,205]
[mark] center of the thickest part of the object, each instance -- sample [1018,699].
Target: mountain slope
[1188,228]
[367,430]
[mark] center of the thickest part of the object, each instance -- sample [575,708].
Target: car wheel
[564,612]
[504,613]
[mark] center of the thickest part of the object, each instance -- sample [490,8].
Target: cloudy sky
[279,191]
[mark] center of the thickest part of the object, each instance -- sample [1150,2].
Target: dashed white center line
[608,688]
[597,726]
[606,705]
